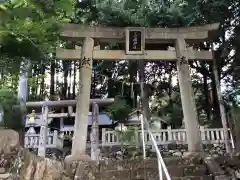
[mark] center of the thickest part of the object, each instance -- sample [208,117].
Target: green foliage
[7,101]
[8,88]
[128,136]
[9,82]
[168,108]
[30,28]
[136,13]
[233,96]
[119,110]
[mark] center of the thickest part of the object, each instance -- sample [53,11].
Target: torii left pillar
[83,100]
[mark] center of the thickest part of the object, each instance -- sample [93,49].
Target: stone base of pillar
[71,161]
[81,167]
[85,170]
[194,156]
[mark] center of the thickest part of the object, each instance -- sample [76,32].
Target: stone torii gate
[135,40]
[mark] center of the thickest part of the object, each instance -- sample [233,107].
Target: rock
[54,169]
[5,176]
[237,174]
[2,170]
[177,154]
[25,165]
[38,168]
[190,155]
[9,141]
[65,178]
[27,170]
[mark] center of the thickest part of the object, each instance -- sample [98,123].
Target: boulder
[18,163]
[39,168]
[9,140]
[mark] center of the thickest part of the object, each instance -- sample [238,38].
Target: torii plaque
[135,40]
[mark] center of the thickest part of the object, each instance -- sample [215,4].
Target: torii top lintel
[193,34]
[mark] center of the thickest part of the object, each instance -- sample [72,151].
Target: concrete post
[95,133]
[83,100]
[103,136]
[43,132]
[170,137]
[187,98]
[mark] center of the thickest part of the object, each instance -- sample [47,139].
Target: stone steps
[179,169]
[150,163]
[152,173]
[179,178]
[193,178]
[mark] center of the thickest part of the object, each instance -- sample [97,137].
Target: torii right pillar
[187,98]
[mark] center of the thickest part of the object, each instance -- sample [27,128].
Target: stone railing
[168,136]
[53,140]
[162,137]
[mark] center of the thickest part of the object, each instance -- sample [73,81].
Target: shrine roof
[103,118]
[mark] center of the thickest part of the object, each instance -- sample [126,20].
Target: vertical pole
[103,136]
[55,138]
[23,93]
[61,120]
[1,116]
[221,106]
[160,172]
[23,80]
[202,131]
[169,130]
[95,133]
[83,99]
[143,136]
[43,132]
[187,98]
[137,139]
[70,110]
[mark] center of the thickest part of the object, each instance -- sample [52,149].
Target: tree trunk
[170,89]
[143,90]
[65,80]
[42,86]
[236,64]
[74,79]
[93,86]
[221,105]
[216,112]
[34,85]
[236,122]
[133,74]
[236,85]
[70,83]
[52,81]
[207,106]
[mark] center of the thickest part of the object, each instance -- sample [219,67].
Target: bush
[12,116]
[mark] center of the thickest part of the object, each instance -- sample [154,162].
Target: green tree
[119,110]
[28,30]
